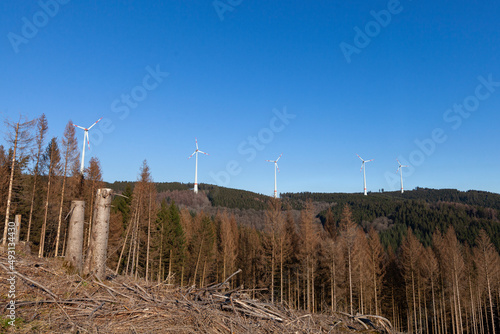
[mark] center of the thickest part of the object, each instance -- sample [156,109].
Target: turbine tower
[196,169]
[400,170]
[85,138]
[275,168]
[363,168]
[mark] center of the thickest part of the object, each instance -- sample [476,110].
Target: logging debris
[49,299]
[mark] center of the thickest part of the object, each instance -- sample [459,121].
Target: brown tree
[348,232]
[42,128]
[411,250]
[488,264]
[70,153]
[19,136]
[309,240]
[53,158]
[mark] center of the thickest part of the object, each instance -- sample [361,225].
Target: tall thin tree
[70,152]
[19,135]
[42,128]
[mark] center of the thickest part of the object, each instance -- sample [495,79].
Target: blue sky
[317,81]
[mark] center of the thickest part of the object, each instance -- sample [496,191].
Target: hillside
[390,213]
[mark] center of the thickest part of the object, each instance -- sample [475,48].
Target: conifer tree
[348,232]
[488,264]
[42,128]
[70,153]
[411,250]
[52,158]
[19,135]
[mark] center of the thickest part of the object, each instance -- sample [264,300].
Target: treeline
[391,218]
[472,197]
[218,196]
[333,266]
[39,176]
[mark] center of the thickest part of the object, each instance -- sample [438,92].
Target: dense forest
[428,260]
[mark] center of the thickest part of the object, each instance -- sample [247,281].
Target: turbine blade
[196,140]
[192,155]
[78,126]
[94,123]
[362,165]
[270,160]
[277,167]
[360,157]
[203,152]
[87,135]
[279,157]
[369,160]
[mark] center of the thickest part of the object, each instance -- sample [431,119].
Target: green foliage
[422,214]
[234,198]
[122,203]
[173,235]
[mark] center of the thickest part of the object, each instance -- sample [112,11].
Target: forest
[428,260]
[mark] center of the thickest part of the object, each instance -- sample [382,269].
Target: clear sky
[319,81]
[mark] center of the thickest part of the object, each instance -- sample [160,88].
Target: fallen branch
[32,282]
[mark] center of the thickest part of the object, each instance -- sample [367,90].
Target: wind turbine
[196,169]
[401,172]
[275,168]
[85,138]
[363,168]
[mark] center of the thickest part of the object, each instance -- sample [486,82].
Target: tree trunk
[44,226]
[32,202]
[74,248]
[149,237]
[97,252]
[59,221]
[123,248]
[11,182]
[17,221]
[491,303]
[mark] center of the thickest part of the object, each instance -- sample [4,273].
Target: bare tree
[53,156]
[70,152]
[42,128]
[375,260]
[488,264]
[19,135]
[411,250]
[348,231]
[309,234]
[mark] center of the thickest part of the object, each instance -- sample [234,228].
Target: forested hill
[390,213]
[472,197]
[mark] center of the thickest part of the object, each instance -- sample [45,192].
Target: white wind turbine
[85,138]
[196,169]
[275,168]
[400,170]
[363,168]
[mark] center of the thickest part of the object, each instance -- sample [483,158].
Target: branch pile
[48,299]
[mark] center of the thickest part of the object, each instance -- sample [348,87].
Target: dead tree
[74,249]
[95,263]
[20,137]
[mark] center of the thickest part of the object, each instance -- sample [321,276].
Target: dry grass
[49,299]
